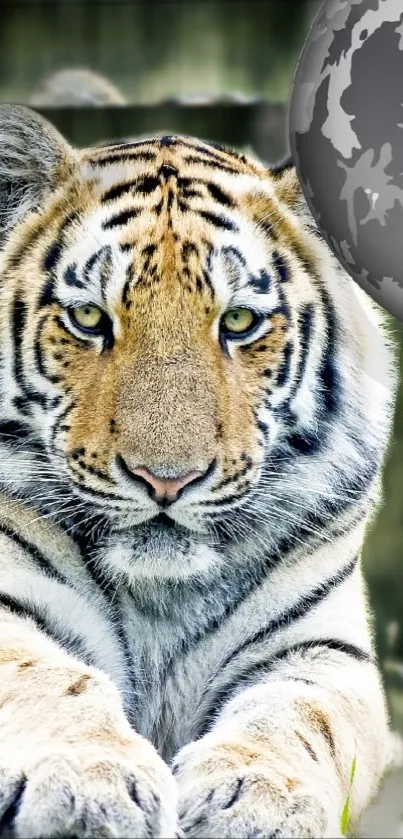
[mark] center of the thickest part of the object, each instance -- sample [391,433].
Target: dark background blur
[218,69]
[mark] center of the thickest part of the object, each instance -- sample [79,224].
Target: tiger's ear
[287,185]
[34,157]
[289,191]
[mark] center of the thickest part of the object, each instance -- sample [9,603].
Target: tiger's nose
[163,490]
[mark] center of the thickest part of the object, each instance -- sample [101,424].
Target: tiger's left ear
[287,185]
[289,191]
[34,158]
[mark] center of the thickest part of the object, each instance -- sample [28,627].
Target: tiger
[196,402]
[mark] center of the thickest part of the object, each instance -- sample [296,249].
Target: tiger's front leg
[70,764]
[277,761]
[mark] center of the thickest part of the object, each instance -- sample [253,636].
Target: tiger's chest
[169,662]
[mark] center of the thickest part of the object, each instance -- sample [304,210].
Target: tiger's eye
[87,317]
[239,320]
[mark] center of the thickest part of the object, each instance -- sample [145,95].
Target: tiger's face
[158,317]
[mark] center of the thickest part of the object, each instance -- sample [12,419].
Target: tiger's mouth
[164,521]
[158,526]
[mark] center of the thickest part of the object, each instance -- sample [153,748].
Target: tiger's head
[181,356]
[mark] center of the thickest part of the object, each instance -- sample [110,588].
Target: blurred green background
[156,49]
[218,69]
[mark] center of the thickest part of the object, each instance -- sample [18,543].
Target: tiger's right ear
[34,158]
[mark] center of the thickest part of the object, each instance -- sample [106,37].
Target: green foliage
[345,816]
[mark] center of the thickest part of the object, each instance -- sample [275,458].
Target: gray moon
[346,138]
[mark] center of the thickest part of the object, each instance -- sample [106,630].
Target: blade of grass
[345,816]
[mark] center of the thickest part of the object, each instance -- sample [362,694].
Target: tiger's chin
[160,548]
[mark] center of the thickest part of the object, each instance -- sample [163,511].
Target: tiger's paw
[230,789]
[89,792]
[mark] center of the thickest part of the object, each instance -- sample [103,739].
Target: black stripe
[214,164]
[225,149]
[219,221]
[284,371]
[288,163]
[305,325]
[22,405]
[221,503]
[70,276]
[147,184]
[144,185]
[59,420]
[89,493]
[329,375]
[19,319]
[29,394]
[170,200]
[47,297]
[53,253]
[298,611]
[260,282]
[106,586]
[108,589]
[123,157]
[149,250]
[125,292]
[15,431]
[227,692]
[104,253]
[247,583]
[124,645]
[117,191]
[42,562]
[121,218]
[219,195]
[306,442]
[332,644]
[202,149]
[123,144]
[167,171]
[192,193]
[283,306]
[206,149]
[232,252]
[7,819]
[52,257]
[281,266]
[71,642]
[330,394]
[38,349]
[209,284]
[329,398]
[10,603]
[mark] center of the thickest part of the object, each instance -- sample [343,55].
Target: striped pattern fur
[203,661]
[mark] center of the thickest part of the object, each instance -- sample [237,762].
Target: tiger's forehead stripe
[153,159]
[189,151]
